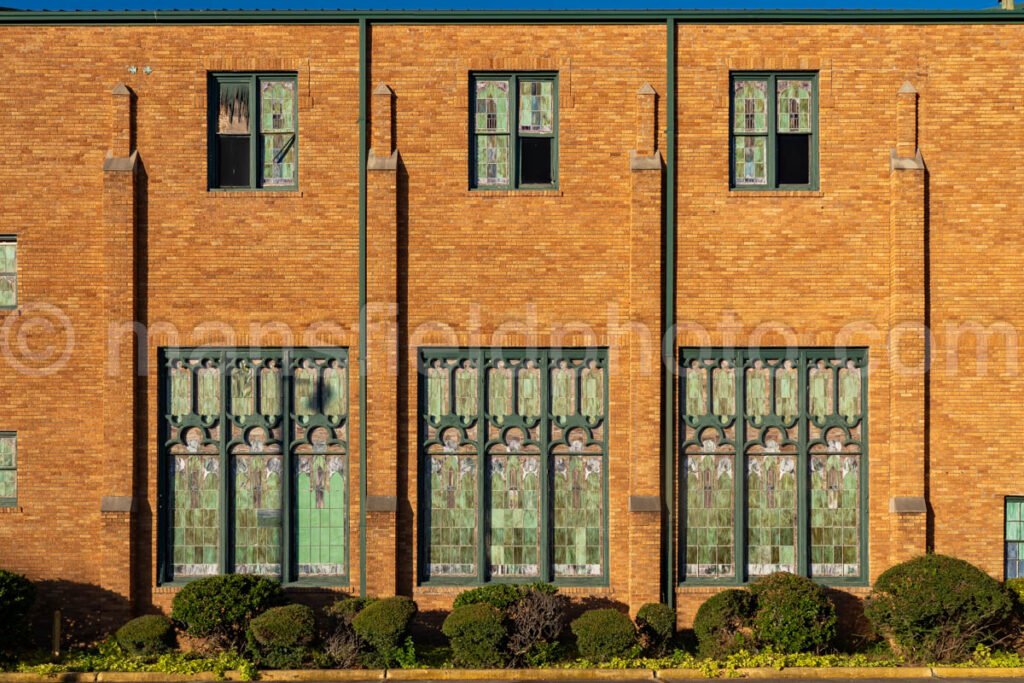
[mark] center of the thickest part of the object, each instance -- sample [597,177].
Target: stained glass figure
[563,391]
[794,100]
[835,514]
[709,516]
[529,390]
[181,390]
[257,511]
[335,390]
[1014,538]
[592,379]
[270,390]
[578,515]
[771,514]
[306,389]
[750,158]
[786,383]
[500,392]
[233,108]
[465,392]
[758,379]
[437,391]
[243,394]
[209,391]
[849,392]
[750,107]
[724,391]
[321,490]
[196,512]
[515,515]
[696,390]
[452,516]
[820,390]
[535,106]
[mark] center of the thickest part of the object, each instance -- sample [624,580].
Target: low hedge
[603,634]
[383,626]
[148,635]
[221,607]
[280,637]
[722,624]
[477,635]
[793,614]
[657,626]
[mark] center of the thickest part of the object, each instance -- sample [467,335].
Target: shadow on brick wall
[88,612]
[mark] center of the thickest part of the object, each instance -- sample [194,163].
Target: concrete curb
[519,674]
[973,672]
[837,672]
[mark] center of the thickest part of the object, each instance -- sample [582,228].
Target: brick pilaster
[644,354]
[908,335]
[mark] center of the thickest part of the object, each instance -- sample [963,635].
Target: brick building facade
[641,303]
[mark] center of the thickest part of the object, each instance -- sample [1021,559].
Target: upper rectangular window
[1014,538]
[8,272]
[254,131]
[774,131]
[8,470]
[514,136]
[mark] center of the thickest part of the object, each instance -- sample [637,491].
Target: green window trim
[224,410]
[807,417]
[1013,540]
[8,469]
[512,142]
[8,272]
[505,416]
[763,141]
[266,131]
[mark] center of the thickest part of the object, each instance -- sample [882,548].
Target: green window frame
[254,469]
[773,464]
[773,130]
[253,131]
[513,451]
[513,131]
[1014,537]
[8,469]
[8,272]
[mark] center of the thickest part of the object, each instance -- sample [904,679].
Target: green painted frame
[252,78]
[482,358]
[11,502]
[224,356]
[514,134]
[11,239]
[1006,540]
[742,359]
[771,78]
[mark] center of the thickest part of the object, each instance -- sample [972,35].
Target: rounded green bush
[936,608]
[602,634]
[146,635]
[383,625]
[722,623]
[345,610]
[657,625]
[17,595]
[221,607]
[501,596]
[477,634]
[793,614]
[281,636]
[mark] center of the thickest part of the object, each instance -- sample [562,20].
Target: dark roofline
[102,18]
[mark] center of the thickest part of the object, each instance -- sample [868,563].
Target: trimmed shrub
[501,596]
[794,614]
[602,634]
[722,623]
[383,625]
[147,635]
[221,607]
[657,625]
[280,637]
[936,608]
[536,624]
[345,610]
[477,635]
[17,595]
[1016,588]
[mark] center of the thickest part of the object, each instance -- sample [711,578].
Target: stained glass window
[271,421]
[8,272]
[514,125]
[1014,538]
[8,469]
[248,156]
[752,422]
[504,434]
[773,140]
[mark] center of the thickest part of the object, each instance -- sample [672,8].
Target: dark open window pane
[794,160]
[233,158]
[535,161]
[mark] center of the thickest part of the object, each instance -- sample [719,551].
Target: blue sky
[496,4]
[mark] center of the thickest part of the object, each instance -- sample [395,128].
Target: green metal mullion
[513,133]
[815,175]
[803,495]
[547,571]
[254,133]
[771,157]
[289,533]
[740,542]
[865,459]
[363,136]
[668,261]
[482,518]
[227,507]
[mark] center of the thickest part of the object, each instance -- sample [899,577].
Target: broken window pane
[233,108]
[278,159]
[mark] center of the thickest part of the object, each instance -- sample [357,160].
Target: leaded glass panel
[751,160]
[794,102]
[750,107]
[453,515]
[278,106]
[835,513]
[196,509]
[279,159]
[710,509]
[536,106]
[492,160]
[8,273]
[8,470]
[492,106]
[515,515]
[321,507]
[771,514]
[1014,538]
[578,515]
[257,512]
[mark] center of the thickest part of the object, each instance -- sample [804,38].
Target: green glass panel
[578,516]
[787,391]
[465,392]
[820,392]
[258,514]
[307,381]
[835,514]
[499,392]
[849,393]
[710,516]
[8,451]
[270,391]
[696,391]
[492,108]
[529,391]
[750,160]
[536,106]
[8,290]
[771,514]
[335,391]
[279,159]
[592,388]
[233,108]
[437,392]
[563,391]
[723,396]
[8,488]
[243,392]
[794,100]
[196,510]
[492,160]
[181,390]
[758,388]
[452,517]
[321,514]
[750,107]
[8,258]
[209,391]
[277,106]
[515,515]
